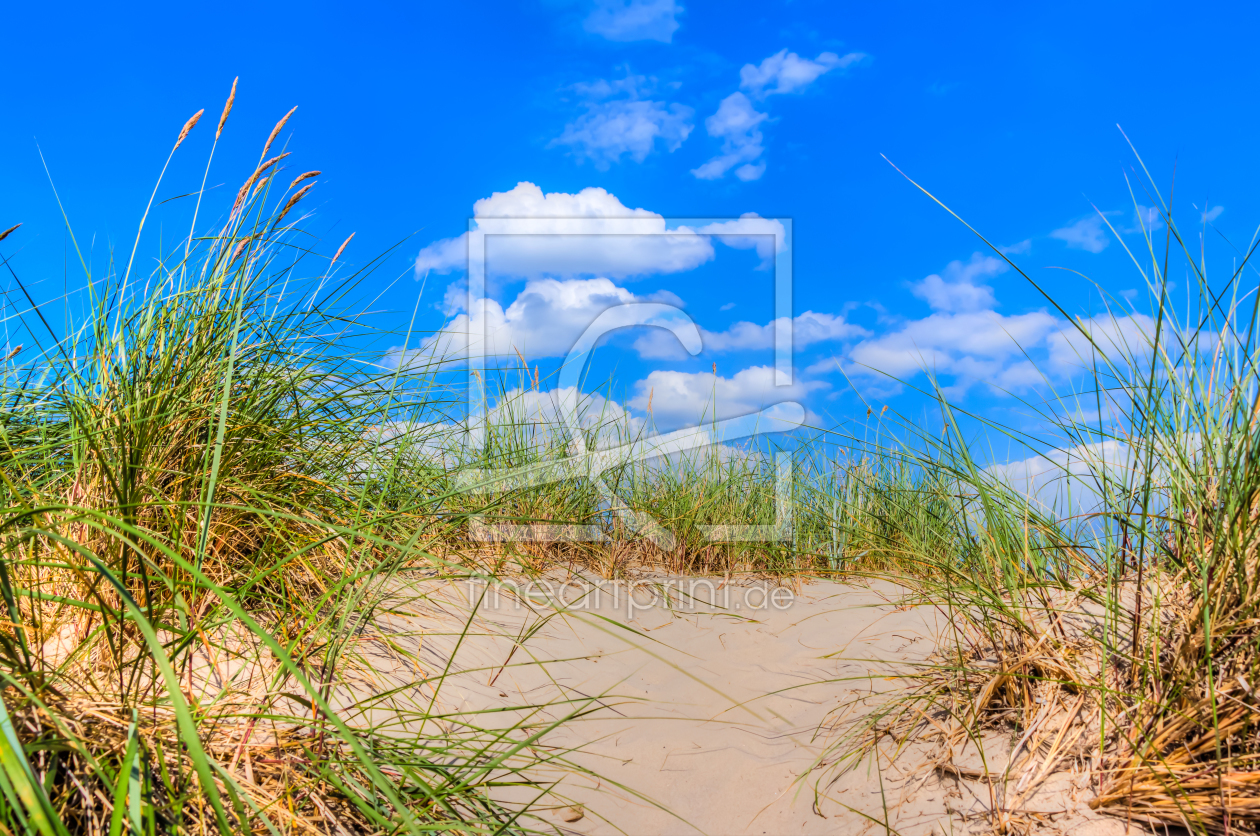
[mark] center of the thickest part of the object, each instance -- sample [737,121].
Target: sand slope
[704,718]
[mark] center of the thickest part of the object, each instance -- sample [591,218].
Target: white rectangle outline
[478,403]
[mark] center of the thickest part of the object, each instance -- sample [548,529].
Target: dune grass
[201,516]
[1104,613]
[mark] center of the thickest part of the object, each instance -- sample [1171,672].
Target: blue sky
[422,115]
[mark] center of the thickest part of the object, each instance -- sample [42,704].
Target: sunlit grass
[201,515]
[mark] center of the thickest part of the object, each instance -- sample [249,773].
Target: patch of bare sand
[718,712]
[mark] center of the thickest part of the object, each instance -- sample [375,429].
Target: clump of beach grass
[201,516]
[1103,615]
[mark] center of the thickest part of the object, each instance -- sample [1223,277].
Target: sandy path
[700,718]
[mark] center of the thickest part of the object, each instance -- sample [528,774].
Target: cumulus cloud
[1086,234]
[546,413]
[973,345]
[629,124]
[1110,338]
[808,329]
[1065,480]
[963,337]
[966,339]
[750,232]
[634,20]
[542,417]
[957,290]
[443,256]
[531,234]
[685,398]
[547,416]
[787,72]
[545,320]
[736,123]
[1081,460]
[1013,353]
[537,234]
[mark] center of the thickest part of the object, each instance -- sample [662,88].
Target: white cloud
[609,130]
[1065,480]
[736,124]
[443,256]
[973,347]
[590,233]
[619,241]
[544,412]
[1212,214]
[750,231]
[631,87]
[957,290]
[736,121]
[522,414]
[634,20]
[455,299]
[787,72]
[808,329]
[1018,249]
[963,337]
[1019,376]
[685,398]
[953,342]
[631,124]
[545,320]
[1013,353]
[542,415]
[1146,219]
[727,306]
[1086,234]
[1118,339]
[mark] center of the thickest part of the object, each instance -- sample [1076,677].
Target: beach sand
[706,707]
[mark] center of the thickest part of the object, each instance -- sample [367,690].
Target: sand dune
[708,710]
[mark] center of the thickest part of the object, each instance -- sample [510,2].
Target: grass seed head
[262,184]
[188,126]
[276,131]
[5,234]
[304,176]
[341,249]
[240,247]
[227,108]
[240,196]
[293,201]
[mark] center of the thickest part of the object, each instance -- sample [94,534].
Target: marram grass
[1115,633]
[198,517]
